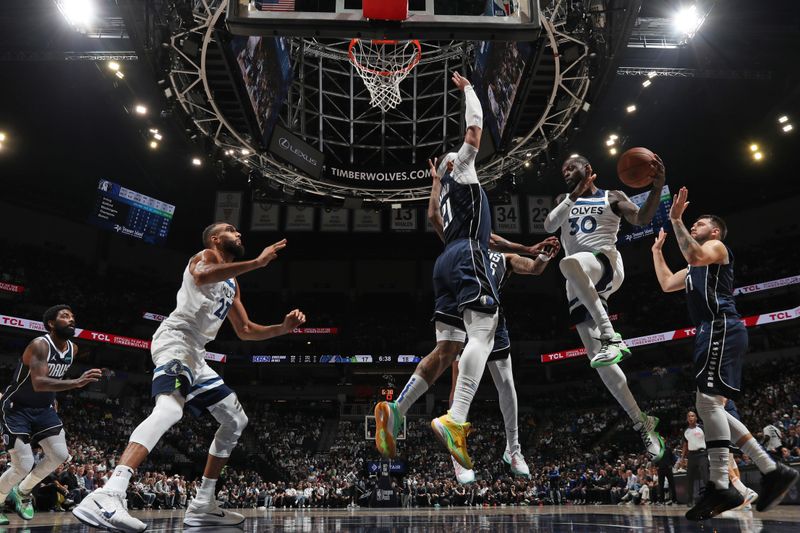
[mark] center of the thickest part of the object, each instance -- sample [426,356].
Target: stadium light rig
[196,161]
[688,20]
[140,109]
[80,14]
[646,83]
[787,128]
[631,108]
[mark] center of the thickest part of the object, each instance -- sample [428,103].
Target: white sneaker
[653,442]
[209,514]
[749,499]
[463,475]
[612,351]
[517,463]
[107,509]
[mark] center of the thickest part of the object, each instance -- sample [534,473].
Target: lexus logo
[286,144]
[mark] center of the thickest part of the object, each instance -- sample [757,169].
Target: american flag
[275,5]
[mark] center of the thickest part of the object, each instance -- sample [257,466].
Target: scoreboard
[131,213]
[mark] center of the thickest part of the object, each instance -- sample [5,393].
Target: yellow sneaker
[388,422]
[454,436]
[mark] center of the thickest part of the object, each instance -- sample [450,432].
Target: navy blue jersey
[709,292]
[20,392]
[465,212]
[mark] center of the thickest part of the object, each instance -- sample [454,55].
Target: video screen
[266,72]
[497,77]
[130,213]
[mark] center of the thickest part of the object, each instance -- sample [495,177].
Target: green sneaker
[653,441]
[3,519]
[23,503]
[612,351]
[388,421]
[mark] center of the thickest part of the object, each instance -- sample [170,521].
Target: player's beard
[236,250]
[65,332]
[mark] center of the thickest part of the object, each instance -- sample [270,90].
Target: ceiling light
[631,108]
[153,130]
[758,156]
[79,13]
[119,74]
[613,151]
[647,83]
[196,161]
[610,142]
[575,155]
[245,151]
[787,128]
[153,144]
[528,155]
[157,136]
[527,164]
[688,20]
[140,109]
[754,147]
[652,74]
[113,65]
[783,119]
[613,136]
[2,136]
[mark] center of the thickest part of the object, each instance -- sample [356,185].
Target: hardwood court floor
[569,519]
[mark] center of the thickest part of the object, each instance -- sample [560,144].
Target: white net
[383,65]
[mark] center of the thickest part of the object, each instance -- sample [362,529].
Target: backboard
[493,20]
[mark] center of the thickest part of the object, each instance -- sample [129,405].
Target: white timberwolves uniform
[592,227]
[178,347]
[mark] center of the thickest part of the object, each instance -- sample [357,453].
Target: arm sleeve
[474,112]
[464,165]
[558,215]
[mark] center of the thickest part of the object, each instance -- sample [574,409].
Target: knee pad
[22,458]
[55,448]
[232,422]
[166,413]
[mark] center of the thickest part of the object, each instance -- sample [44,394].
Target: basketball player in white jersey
[28,409]
[182,379]
[589,220]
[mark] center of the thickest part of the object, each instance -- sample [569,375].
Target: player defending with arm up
[589,220]
[183,380]
[720,345]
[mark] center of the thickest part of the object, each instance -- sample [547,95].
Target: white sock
[738,485]
[120,479]
[206,491]
[612,376]
[480,332]
[750,447]
[582,271]
[415,388]
[711,409]
[504,381]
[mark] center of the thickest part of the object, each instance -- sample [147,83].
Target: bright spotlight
[196,161]
[140,109]
[688,20]
[113,65]
[610,142]
[153,144]
[787,128]
[754,147]
[119,74]
[758,156]
[527,164]
[2,136]
[783,119]
[575,155]
[245,151]
[613,136]
[631,108]
[157,136]
[79,13]
[613,151]
[652,74]
[647,83]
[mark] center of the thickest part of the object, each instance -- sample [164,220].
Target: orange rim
[407,68]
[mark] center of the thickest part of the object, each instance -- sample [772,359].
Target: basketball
[633,168]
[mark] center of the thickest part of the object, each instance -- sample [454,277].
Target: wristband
[544,258]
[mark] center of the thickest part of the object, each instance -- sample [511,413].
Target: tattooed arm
[709,253]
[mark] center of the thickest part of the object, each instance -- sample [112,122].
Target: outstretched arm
[474,111]
[669,281]
[534,267]
[709,253]
[248,330]
[35,358]
[208,267]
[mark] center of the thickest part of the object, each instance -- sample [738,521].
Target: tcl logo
[13,321]
[100,337]
[690,331]
[783,315]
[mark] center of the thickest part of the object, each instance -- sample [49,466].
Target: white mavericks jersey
[201,310]
[591,226]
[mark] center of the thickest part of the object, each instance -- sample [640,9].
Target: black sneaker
[714,501]
[774,487]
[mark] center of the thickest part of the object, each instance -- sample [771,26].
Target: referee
[693,455]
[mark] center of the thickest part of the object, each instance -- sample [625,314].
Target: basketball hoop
[383,65]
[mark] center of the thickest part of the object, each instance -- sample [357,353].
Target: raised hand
[584,185]
[659,172]
[90,376]
[679,204]
[550,246]
[460,81]
[659,242]
[293,319]
[270,253]
[433,165]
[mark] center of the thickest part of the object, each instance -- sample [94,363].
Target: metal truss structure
[716,74]
[328,105]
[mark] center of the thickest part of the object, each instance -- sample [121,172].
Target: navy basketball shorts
[31,424]
[718,353]
[462,280]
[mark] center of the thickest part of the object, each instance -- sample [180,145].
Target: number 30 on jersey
[585,224]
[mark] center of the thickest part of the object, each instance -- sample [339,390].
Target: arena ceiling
[70,121]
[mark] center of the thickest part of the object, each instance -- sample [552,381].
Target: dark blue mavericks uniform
[721,340]
[27,414]
[462,273]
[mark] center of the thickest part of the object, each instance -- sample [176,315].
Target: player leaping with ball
[589,219]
